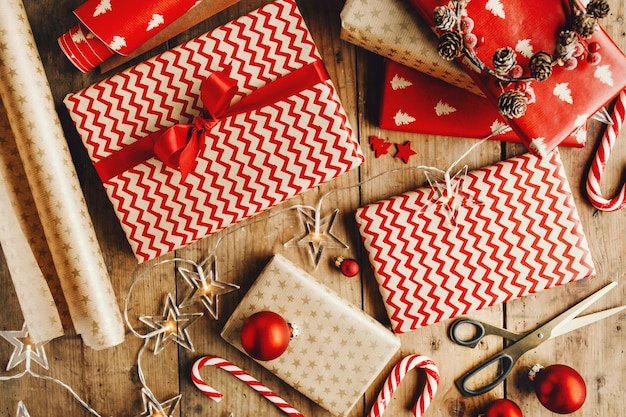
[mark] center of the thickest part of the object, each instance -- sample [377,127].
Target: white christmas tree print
[581,119]
[102,7]
[401,118]
[497,125]
[604,74]
[443,109]
[156,21]
[524,47]
[117,43]
[495,7]
[78,36]
[562,91]
[399,83]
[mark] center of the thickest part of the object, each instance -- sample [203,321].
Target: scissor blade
[579,322]
[556,324]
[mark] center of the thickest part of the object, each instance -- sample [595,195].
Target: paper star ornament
[21,410]
[171,326]
[318,234]
[404,152]
[24,349]
[153,408]
[449,193]
[205,287]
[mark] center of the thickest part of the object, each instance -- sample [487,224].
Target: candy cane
[599,162]
[242,375]
[397,374]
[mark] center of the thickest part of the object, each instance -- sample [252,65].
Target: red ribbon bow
[179,146]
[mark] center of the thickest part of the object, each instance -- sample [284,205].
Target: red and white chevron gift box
[284,132]
[516,232]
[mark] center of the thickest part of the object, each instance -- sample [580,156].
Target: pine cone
[512,104]
[450,45]
[566,45]
[503,60]
[444,18]
[585,25]
[540,66]
[598,8]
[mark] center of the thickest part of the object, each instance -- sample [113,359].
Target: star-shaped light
[21,410]
[153,408]
[25,349]
[171,326]
[318,234]
[449,190]
[404,152]
[205,287]
[379,146]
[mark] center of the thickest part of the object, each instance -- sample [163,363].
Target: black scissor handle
[479,330]
[506,363]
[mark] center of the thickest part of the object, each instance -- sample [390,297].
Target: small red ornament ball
[503,408]
[348,267]
[559,388]
[265,335]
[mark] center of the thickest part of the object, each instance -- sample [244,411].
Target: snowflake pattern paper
[336,339]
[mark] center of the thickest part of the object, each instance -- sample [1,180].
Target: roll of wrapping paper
[55,187]
[34,296]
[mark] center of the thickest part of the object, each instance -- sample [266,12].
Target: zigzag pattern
[525,237]
[250,161]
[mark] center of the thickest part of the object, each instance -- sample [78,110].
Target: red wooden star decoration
[404,152]
[379,145]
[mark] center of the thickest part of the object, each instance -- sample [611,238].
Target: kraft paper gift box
[339,351]
[393,29]
[564,101]
[412,101]
[284,132]
[511,230]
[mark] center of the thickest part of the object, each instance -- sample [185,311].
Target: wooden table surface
[107,380]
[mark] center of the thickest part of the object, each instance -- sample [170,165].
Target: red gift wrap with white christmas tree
[547,66]
[215,130]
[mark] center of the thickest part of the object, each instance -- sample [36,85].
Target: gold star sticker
[25,349]
[205,287]
[153,408]
[318,234]
[171,327]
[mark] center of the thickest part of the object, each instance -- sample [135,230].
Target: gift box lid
[282,132]
[506,231]
[412,101]
[340,349]
[564,101]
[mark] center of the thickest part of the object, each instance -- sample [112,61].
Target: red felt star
[379,146]
[404,152]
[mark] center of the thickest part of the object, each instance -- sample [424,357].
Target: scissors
[523,342]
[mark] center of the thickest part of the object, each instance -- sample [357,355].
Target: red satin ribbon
[179,146]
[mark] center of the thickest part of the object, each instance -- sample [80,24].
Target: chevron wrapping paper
[569,96]
[339,351]
[248,161]
[517,232]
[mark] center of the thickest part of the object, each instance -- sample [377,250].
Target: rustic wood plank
[107,380]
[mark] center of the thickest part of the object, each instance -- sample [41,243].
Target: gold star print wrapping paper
[340,350]
[53,182]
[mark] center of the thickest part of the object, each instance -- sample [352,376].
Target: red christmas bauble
[503,408]
[348,267]
[559,388]
[265,335]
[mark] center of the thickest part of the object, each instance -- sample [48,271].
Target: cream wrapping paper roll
[34,296]
[54,184]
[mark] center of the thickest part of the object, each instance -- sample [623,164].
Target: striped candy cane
[242,375]
[397,374]
[599,162]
